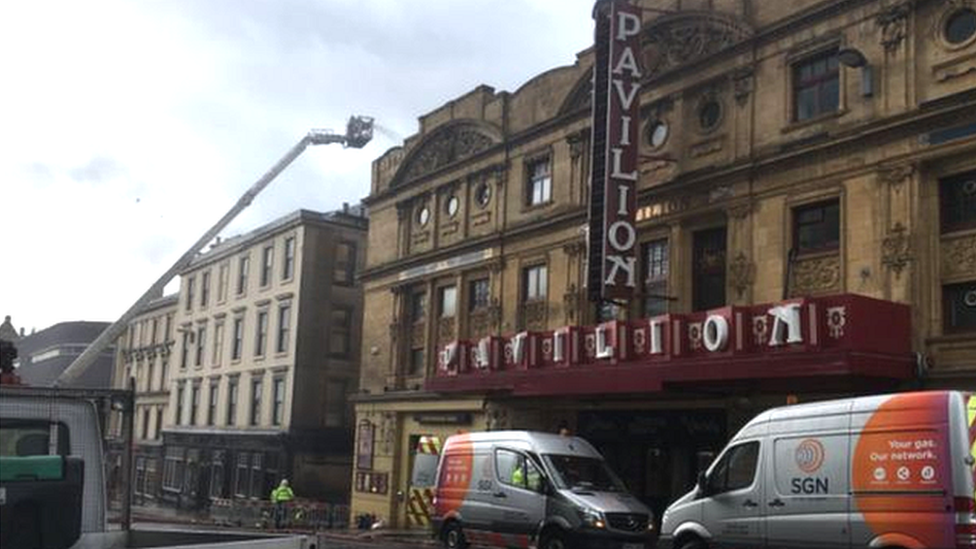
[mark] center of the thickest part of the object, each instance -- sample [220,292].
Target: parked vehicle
[516,488]
[893,471]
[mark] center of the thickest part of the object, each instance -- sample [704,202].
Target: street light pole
[359,131]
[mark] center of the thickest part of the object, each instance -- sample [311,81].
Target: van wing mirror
[702,484]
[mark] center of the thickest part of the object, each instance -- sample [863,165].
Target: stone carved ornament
[681,38]
[742,273]
[893,21]
[447,146]
[896,249]
[817,275]
[959,256]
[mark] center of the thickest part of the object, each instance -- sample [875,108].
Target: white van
[522,489]
[894,471]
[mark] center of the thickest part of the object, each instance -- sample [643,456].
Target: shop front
[660,397]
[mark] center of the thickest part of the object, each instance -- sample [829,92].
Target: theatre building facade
[805,230]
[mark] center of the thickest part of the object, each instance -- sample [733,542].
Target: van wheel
[694,544]
[553,540]
[454,537]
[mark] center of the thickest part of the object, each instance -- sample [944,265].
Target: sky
[128,128]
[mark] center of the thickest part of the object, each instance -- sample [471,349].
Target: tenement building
[144,355]
[267,333]
[804,214]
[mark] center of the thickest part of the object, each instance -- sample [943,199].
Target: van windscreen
[582,473]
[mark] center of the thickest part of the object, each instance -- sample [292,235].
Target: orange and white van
[893,471]
[520,489]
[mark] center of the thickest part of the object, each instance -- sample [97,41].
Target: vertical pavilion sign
[616,112]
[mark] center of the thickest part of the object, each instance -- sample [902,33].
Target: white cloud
[130,127]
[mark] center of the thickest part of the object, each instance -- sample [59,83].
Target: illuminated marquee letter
[715,333]
[786,322]
[603,348]
[558,340]
[518,347]
[657,337]
[482,355]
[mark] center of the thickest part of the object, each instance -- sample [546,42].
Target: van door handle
[500,495]
[749,503]
[777,503]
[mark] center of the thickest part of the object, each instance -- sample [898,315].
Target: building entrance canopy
[841,337]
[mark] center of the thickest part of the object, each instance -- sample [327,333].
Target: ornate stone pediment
[581,97]
[446,145]
[681,38]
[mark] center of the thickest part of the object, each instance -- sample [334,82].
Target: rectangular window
[257,486]
[535,282]
[345,264]
[340,332]
[957,197]
[240,474]
[418,307]
[261,334]
[173,469]
[479,295]
[284,328]
[816,86]
[155,325]
[336,403]
[242,268]
[205,289]
[278,400]
[149,376]
[232,386]
[235,351]
[959,307]
[708,269]
[194,402]
[223,276]
[159,423]
[267,265]
[288,268]
[656,267]
[416,362]
[201,344]
[448,301]
[539,188]
[212,402]
[256,389]
[218,344]
[179,403]
[145,423]
[816,227]
[190,283]
[217,475]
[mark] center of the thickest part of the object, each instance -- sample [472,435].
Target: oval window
[423,216]
[482,194]
[709,115]
[657,133]
[451,206]
[960,26]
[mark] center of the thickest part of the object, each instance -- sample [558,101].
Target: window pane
[742,466]
[959,304]
[506,464]
[448,300]
[479,296]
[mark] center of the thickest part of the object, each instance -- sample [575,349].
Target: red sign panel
[844,335]
[615,140]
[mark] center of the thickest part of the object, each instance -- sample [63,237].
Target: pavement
[150,515]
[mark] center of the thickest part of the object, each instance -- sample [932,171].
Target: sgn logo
[809,456]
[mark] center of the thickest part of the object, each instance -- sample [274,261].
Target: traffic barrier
[298,514]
